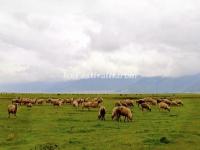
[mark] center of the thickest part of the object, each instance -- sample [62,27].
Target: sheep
[33,101]
[40,101]
[163,105]
[151,101]
[140,101]
[56,102]
[68,101]
[102,113]
[115,113]
[167,101]
[17,100]
[118,103]
[173,103]
[145,106]
[91,104]
[12,109]
[25,101]
[127,103]
[75,103]
[98,99]
[122,111]
[29,105]
[179,102]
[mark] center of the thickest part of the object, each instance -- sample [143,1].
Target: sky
[57,40]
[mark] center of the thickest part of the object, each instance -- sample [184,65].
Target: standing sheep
[164,106]
[122,111]
[179,102]
[12,109]
[115,113]
[29,105]
[102,113]
[145,106]
[140,101]
[75,104]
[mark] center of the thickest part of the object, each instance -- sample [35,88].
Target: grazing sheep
[12,109]
[75,103]
[179,102]
[122,111]
[145,106]
[126,112]
[167,101]
[98,99]
[173,103]
[29,105]
[163,105]
[91,104]
[49,100]
[25,101]
[40,101]
[115,113]
[102,113]
[68,101]
[118,103]
[159,100]
[127,103]
[123,103]
[33,101]
[56,102]
[140,101]
[151,101]
[17,100]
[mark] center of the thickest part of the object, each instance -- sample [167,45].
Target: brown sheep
[122,111]
[140,101]
[25,101]
[98,99]
[33,101]
[17,100]
[179,102]
[75,103]
[56,102]
[102,113]
[12,109]
[91,104]
[173,103]
[145,106]
[29,105]
[40,101]
[151,101]
[68,101]
[118,103]
[167,101]
[115,113]
[127,103]
[164,106]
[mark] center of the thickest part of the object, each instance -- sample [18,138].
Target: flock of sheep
[121,108]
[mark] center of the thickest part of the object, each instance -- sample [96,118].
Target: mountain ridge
[139,84]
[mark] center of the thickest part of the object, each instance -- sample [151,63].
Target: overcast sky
[48,40]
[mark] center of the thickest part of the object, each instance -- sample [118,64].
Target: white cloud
[51,40]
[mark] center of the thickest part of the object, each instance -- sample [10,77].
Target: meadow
[44,127]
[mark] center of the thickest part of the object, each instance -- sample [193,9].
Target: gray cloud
[49,40]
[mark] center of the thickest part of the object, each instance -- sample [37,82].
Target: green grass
[47,128]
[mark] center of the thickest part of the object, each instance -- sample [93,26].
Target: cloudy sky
[48,40]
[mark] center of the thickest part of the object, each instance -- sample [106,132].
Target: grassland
[46,127]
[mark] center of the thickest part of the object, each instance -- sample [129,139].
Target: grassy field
[46,127]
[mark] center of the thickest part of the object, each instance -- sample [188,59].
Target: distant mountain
[101,85]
